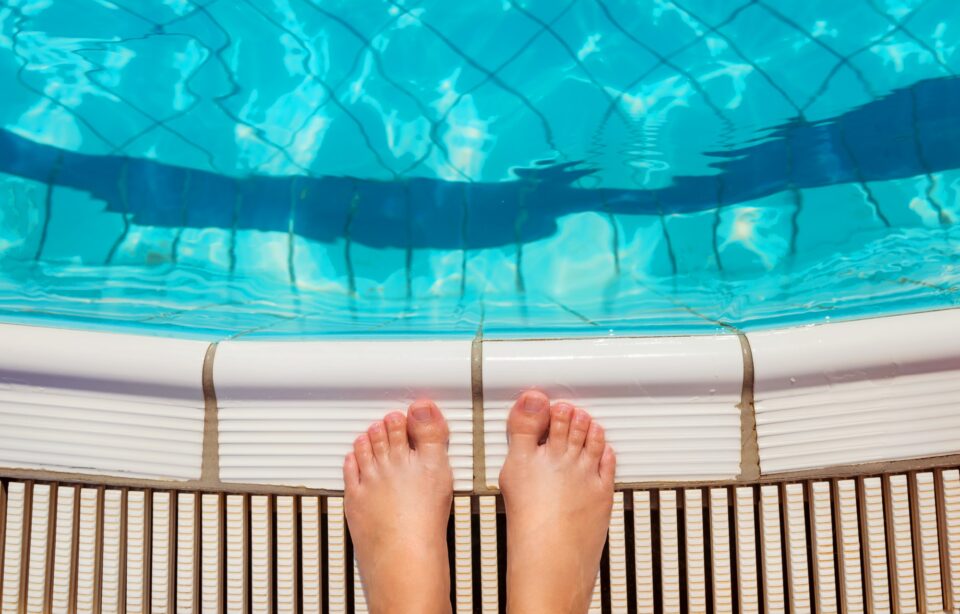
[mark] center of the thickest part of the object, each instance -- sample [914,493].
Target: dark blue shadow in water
[912,131]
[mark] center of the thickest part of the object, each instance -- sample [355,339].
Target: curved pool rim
[845,398]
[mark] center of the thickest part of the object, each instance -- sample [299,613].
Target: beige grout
[210,463]
[749,446]
[479,446]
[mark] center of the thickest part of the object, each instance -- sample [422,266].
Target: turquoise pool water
[296,168]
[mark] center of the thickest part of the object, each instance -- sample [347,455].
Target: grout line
[749,446]
[476,384]
[210,464]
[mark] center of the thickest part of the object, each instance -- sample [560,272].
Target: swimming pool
[300,169]
[710,223]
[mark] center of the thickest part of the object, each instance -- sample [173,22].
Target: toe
[579,427]
[351,471]
[528,421]
[595,444]
[397,432]
[426,427]
[608,466]
[560,415]
[364,454]
[378,440]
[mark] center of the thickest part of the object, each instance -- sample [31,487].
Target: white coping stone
[860,391]
[290,411]
[102,403]
[668,404]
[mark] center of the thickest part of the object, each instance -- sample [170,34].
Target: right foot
[557,485]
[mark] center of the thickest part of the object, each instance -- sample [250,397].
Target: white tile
[669,404]
[103,403]
[643,552]
[695,551]
[747,568]
[285,553]
[796,543]
[87,551]
[162,550]
[138,534]
[875,548]
[822,554]
[289,412]
[111,581]
[617,539]
[489,589]
[210,545]
[929,538]
[898,515]
[39,525]
[63,548]
[186,574]
[336,556]
[12,559]
[771,551]
[951,509]
[238,554]
[669,553]
[849,547]
[311,550]
[720,552]
[463,559]
[860,391]
[261,554]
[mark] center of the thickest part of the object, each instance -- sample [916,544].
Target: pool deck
[824,400]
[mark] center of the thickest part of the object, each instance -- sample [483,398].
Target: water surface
[299,168]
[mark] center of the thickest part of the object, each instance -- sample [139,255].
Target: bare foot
[558,495]
[399,488]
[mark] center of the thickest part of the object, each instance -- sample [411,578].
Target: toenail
[534,403]
[393,419]
[421,413]
[376,427]
[562,410]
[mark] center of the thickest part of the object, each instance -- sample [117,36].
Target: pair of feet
[557,486]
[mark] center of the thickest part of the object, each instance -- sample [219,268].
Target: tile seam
[476,389]
[210,459]
[749,445]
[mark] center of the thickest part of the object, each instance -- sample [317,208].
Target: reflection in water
[911,132]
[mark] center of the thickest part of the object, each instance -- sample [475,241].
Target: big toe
[528,421]
[426,426]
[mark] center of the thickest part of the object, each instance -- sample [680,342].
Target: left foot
[398,493]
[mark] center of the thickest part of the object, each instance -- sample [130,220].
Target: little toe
[608,465]
[364,454]
[579,427]
[560,415]
[378,440]
[528,421]
[595,444]
[351,471]
[426,427]
[397,432]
